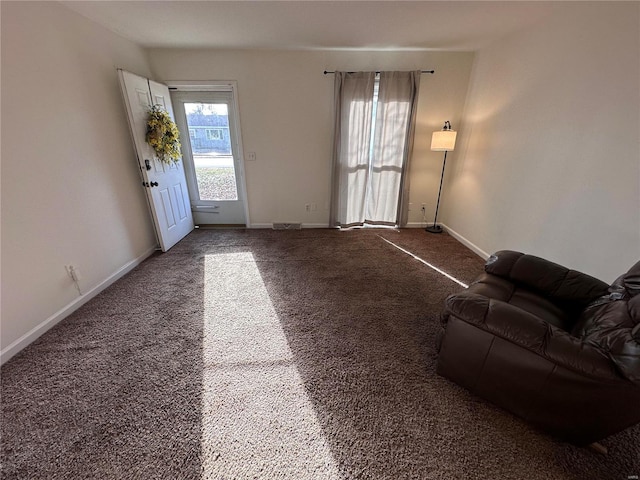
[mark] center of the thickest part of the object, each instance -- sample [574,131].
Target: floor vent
[287,226]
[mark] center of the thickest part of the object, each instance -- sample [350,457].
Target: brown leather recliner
[554,346]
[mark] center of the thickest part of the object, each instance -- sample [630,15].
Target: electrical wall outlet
[423,207]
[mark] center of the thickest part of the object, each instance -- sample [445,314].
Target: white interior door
[165,185]
[210,148]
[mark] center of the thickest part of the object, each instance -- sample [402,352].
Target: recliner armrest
[546,277]
[532,333]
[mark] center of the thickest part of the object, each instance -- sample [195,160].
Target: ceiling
[367,25]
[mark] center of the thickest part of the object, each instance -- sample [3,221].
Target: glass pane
[208,125]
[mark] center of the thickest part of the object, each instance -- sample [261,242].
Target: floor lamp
[442,141]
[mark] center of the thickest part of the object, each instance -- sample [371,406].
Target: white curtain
[372,147]
[353,95]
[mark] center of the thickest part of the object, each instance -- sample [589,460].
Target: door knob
[154,184]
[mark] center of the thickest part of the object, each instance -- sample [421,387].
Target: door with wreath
[163,176]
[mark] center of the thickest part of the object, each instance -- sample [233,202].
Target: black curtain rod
[423,71]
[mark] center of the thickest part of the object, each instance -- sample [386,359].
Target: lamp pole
[435,228]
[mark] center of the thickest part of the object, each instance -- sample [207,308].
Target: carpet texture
[259,354]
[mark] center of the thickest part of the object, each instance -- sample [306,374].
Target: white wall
[70,186]
[286,110]
[549,158]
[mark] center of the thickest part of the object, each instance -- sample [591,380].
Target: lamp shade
[444,140]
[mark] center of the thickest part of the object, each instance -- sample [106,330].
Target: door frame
[222,86]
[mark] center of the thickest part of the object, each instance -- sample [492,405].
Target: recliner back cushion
[498,288]
[546,277]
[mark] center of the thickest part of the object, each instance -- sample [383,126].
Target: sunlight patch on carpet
[257,419]
[433,267]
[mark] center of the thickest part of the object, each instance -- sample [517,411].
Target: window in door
[211,150]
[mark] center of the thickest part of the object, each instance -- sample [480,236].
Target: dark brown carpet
[266,354]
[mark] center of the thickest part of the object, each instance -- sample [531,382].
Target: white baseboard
[417,225]
[471,246]
[260,225]
[315,225]
[36,332]
[304,225]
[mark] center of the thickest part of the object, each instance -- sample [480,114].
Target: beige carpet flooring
[259,354]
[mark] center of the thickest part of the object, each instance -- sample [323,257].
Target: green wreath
[163,135]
